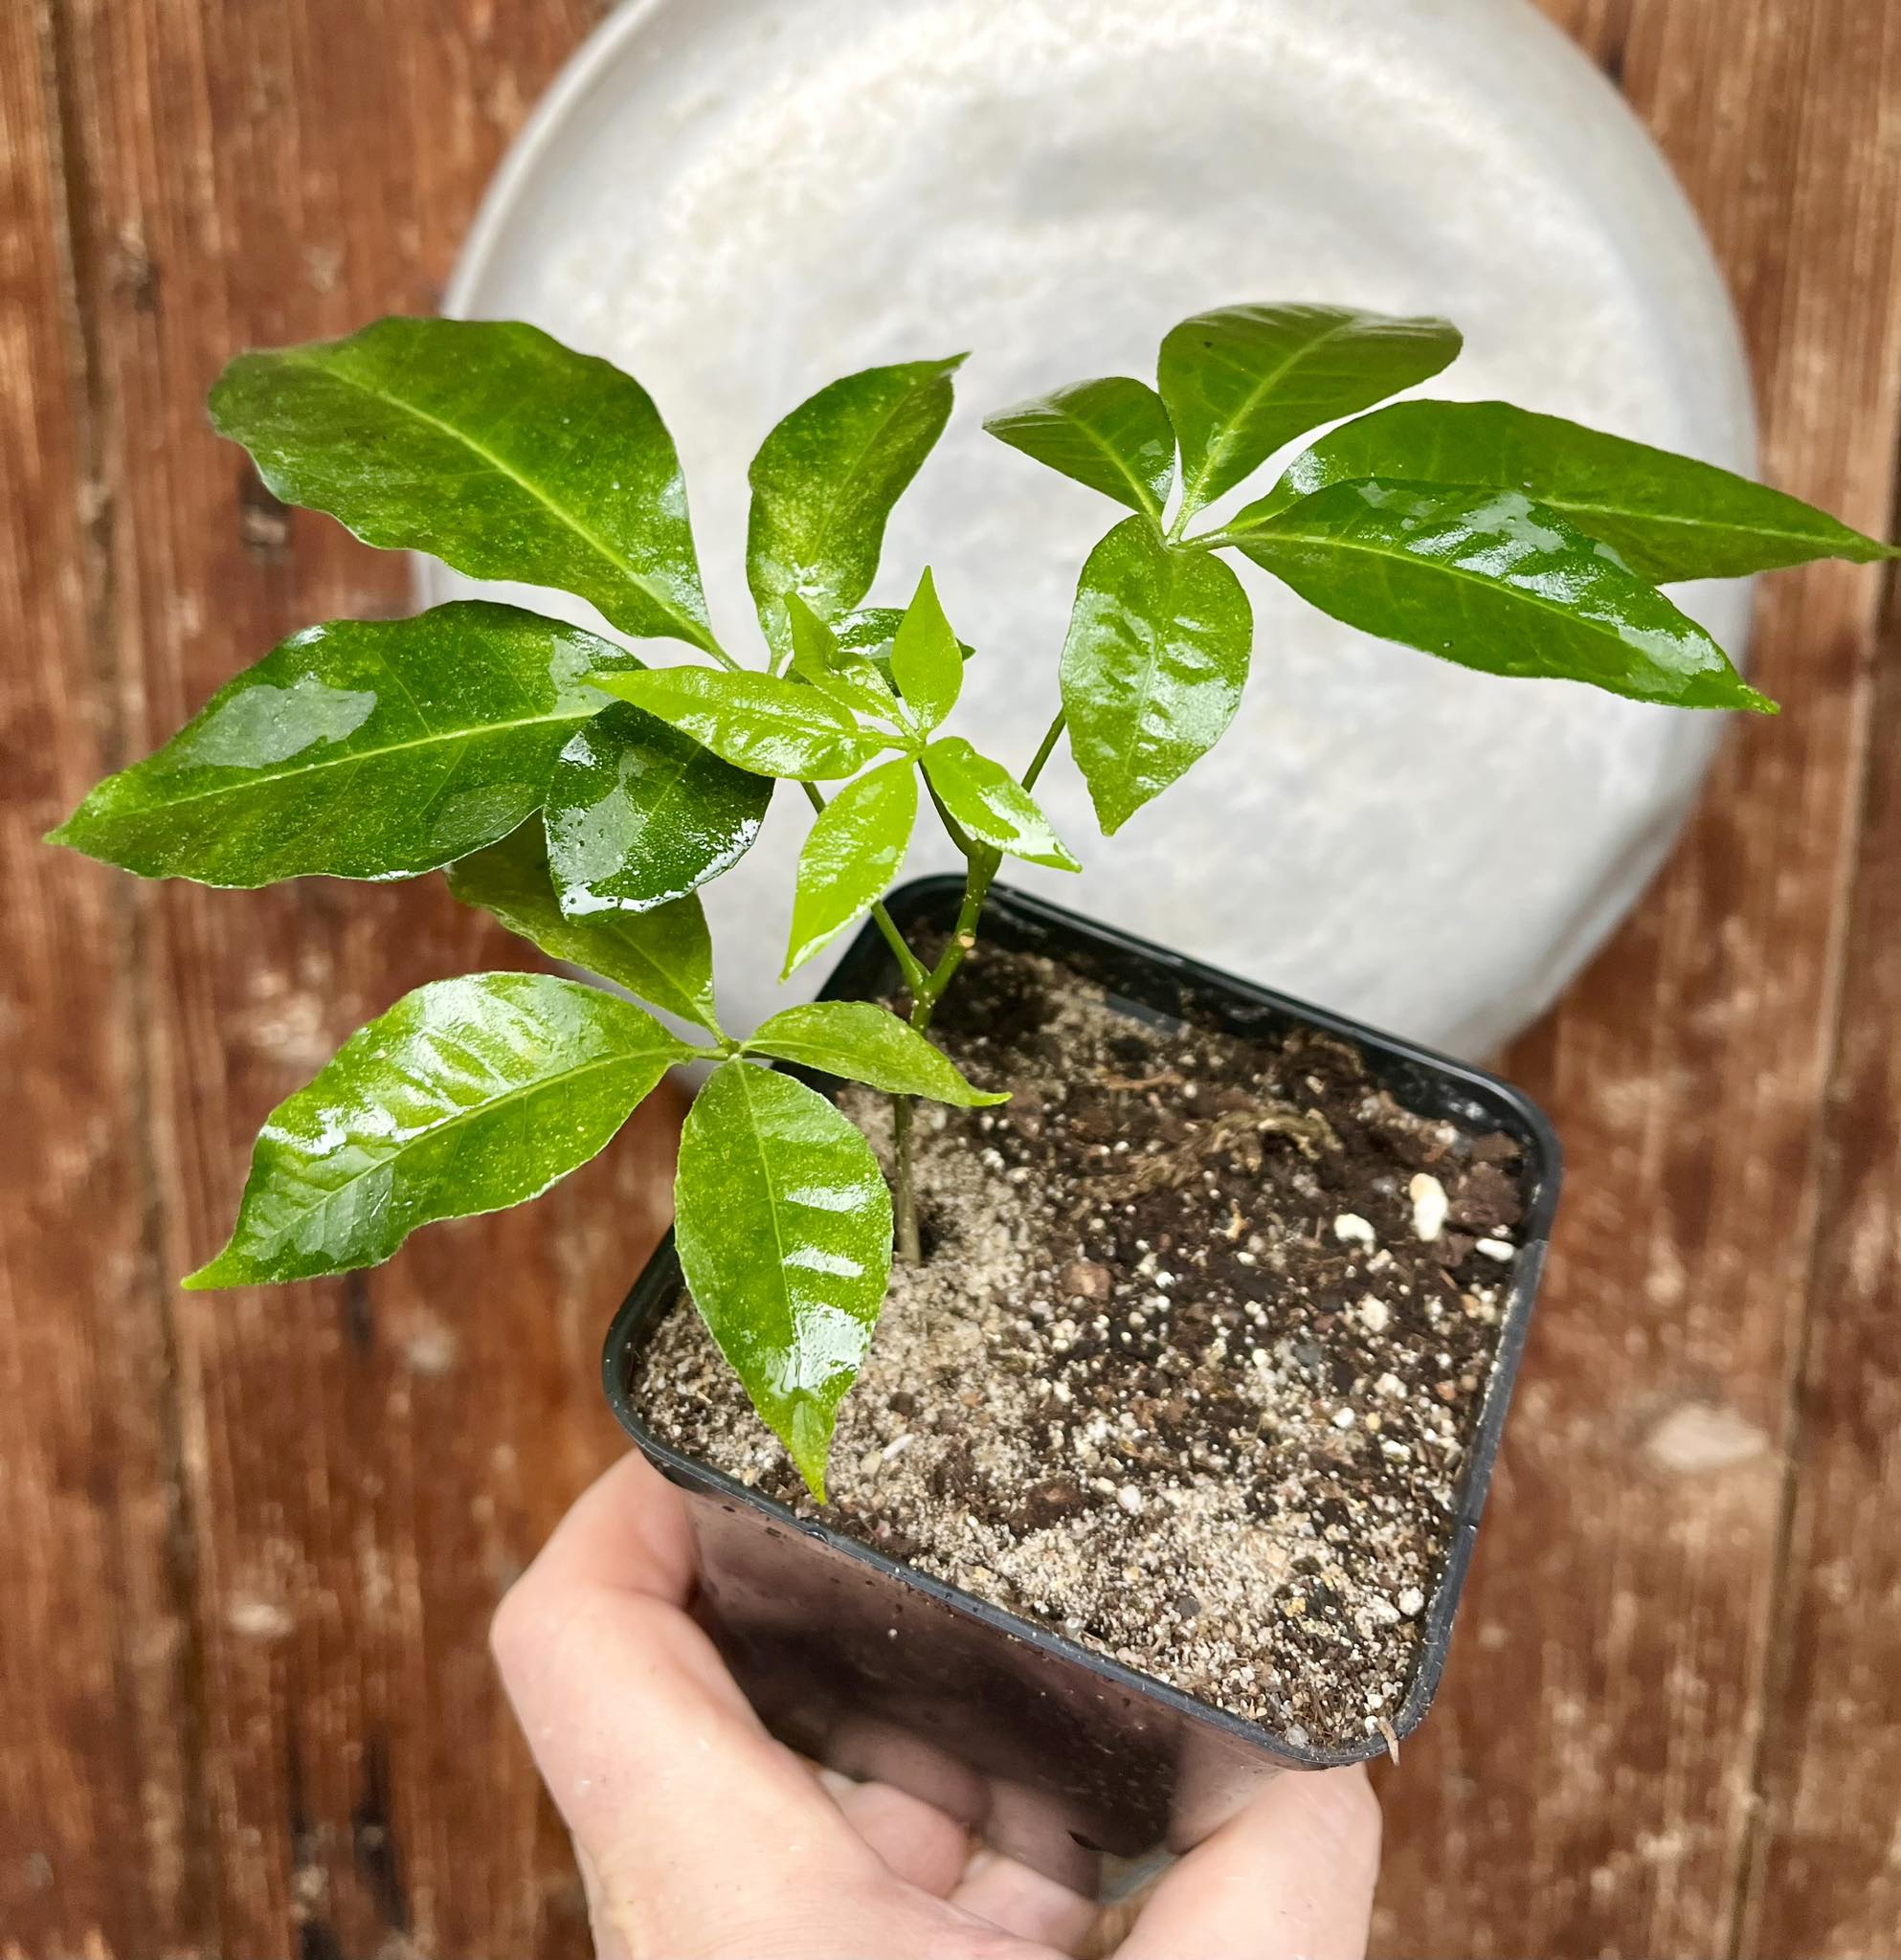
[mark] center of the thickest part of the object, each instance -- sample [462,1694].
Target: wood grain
[362,1466]
[254,1541]
[99,1700]
[1825,1878]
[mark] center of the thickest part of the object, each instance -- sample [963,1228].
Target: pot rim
[1489,1094]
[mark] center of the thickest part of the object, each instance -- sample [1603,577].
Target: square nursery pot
[834,1642]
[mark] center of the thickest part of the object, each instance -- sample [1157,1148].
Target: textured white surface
[738,200]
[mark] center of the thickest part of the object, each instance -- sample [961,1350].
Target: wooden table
[251,1544]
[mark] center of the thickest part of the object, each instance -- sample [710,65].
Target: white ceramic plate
[738,200]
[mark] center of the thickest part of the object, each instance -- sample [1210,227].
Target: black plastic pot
[842,1649]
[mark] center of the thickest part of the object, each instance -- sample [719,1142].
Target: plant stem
[982,862]
[1046,748]
[904,1203]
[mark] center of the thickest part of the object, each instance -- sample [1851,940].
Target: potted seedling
[1202,1307]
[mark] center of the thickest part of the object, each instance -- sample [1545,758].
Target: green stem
[903,1196]
[1051,738]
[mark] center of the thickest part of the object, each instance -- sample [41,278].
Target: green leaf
[1668,517]
[1493,581]
[784,1235]
[992,805]
[826,480]
[640,814]
[757,721]
[467,1096]
[363,748]
[851,856]
[1152,667]
[856,684]
[871,632]
[1114,434]
[866,1043]
[1240,381]
[490,445]
[665,955]
[926,658]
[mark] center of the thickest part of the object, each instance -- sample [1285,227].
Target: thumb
[1290,1877]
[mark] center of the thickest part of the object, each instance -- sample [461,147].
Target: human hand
[700,1838]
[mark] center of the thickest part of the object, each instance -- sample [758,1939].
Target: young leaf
[826,480]
[1493,581]
[1152,667]
[363,748]
[1114,434]
[927,660]
[866,1043]
[467,1096]
[784,1235]
[757,721]
[990,803]
[871,634]
[665,955]
[640,814]
[1668,517]
[489,444]
[854,683]
[851,856]
[1240,381]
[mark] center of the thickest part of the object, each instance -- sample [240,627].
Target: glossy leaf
[856,845]
[859,686]
[640,814]
[1113,434]
[364,749]
[1241,381]
[490,445]
[992,805]
[1493,581]
[826,478]
[784,1233]
[1152,667]
[1668,517]
[864,1043]
[927,660]
[665,955]
[871,631]
[467,1096]
[757,721]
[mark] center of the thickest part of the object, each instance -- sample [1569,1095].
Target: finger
[661,1770]
[1012,1897]
[1035,1829]
[919,1843]
[607,1943]
[629,1528]
[1292,1875]
[873,1751]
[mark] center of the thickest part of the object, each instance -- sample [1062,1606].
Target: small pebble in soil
[1231,1356]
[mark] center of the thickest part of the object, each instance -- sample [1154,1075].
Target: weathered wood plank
[367,1463]
[98,1700]
[1588,1784]
[1826,1881]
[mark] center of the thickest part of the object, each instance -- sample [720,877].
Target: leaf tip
[807,1436]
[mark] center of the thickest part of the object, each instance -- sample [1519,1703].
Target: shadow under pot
[1164,1470]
